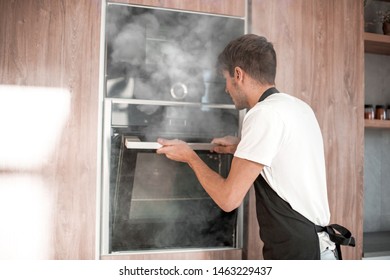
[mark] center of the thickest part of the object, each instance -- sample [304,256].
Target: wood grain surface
[55,45]
[224,7]
[377,43]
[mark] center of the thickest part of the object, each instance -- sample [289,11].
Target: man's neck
[258,92]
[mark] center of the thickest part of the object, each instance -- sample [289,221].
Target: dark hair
[254,54]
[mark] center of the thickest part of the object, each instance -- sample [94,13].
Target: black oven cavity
[159,204]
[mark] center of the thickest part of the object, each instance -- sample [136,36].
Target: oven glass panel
[157,203]
[157,54]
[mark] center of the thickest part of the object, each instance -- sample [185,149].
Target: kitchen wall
[49,71]
[377,152]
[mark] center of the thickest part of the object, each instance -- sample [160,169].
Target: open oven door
[159,204]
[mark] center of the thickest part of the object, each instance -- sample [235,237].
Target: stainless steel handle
[130,143]
[202,146]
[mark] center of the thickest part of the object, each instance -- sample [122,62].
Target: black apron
[286,233]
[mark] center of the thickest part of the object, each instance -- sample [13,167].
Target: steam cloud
[149,51]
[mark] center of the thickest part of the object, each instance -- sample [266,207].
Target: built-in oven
[152,203]
[161,81]
[159,204]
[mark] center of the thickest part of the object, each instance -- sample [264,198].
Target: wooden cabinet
[52,68]
[224,7]
[44,44]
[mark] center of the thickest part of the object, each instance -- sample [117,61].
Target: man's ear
[238,73]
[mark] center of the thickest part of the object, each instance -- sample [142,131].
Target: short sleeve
[262,135]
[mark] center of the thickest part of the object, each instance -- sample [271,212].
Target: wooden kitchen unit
[223,7]
[56,45]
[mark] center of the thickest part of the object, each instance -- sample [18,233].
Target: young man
[280,152]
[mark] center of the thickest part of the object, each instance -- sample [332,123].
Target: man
[280,152]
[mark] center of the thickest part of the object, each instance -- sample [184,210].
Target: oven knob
[179,91]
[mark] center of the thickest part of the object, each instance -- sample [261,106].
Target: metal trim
[105,207]
[170,103]
[99,152]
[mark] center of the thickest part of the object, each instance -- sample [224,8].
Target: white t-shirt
[282,133]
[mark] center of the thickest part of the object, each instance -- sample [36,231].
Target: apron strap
[267,93]
[344,237]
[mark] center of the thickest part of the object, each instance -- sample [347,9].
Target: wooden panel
[53,45]
[225,7]
[320,60]
[377,123]
[189,255]
[376,43]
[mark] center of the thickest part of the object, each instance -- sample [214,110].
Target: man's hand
[176,150]
[225,145]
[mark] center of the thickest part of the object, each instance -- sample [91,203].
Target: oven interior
[157,203]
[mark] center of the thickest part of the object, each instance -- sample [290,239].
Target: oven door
[156,203]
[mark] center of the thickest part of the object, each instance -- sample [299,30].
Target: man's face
[235,91]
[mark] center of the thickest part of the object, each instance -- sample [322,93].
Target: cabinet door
[51,69]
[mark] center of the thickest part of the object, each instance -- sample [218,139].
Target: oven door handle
[137,145]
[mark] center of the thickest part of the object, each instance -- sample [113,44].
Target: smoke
[180,212]
[179,45]
[134,54]
[166,55]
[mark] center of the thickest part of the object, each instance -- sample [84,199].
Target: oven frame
[104,154]
[105,193]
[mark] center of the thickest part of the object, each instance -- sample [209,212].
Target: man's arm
[226,145]
[228,193]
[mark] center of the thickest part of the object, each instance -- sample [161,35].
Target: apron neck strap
[267,93]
